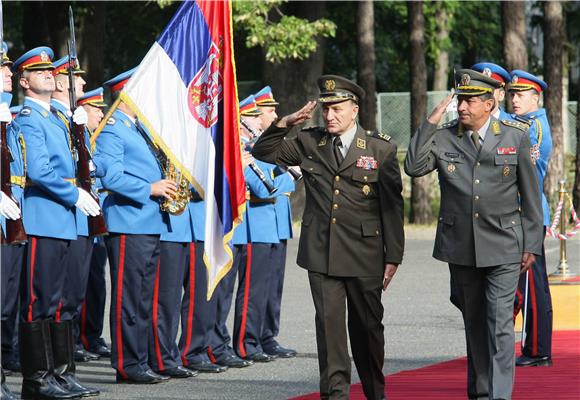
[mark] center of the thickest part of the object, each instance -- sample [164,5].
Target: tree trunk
[554,38]
[441,72]
[515,51]
[366,63]
[420,187]
[576,188]
[294,81]
[92,52]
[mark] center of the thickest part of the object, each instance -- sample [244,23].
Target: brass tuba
[177,205]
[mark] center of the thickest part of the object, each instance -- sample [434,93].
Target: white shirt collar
[484,129]
[133,119]
[43,104]
[496,114]
[346,138]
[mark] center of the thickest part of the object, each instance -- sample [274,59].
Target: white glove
[80,116]
[87,204]
[8,208]
[5,114]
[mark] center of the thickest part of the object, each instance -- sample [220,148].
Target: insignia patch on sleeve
[25,111]
[111,121]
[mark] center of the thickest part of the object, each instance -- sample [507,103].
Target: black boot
[6,393]
[38,381]
[64,361]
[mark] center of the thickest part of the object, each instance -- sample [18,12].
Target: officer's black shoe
[142,378]
[178,372]
[280,351]
[82,355]
[100,348]
[525,361]
[11,365]
[207,366]
[64,363]
[5,392]
[233,361]
[36,358]
[261,357]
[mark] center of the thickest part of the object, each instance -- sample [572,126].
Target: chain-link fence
[394,117]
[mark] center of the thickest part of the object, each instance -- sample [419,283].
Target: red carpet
[447,380]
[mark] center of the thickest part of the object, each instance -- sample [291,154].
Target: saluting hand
[528,259]
[305,113]
[390,270]
[164,188]
[438,111]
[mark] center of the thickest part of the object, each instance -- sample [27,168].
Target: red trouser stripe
[84,338]
[119,307]
[57,316]
[191,305]
[31,283]
[518,306]
[242,347]
[211,355]
[155,318]
[532,290]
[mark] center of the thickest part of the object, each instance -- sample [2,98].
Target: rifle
[97,225]
[15,233]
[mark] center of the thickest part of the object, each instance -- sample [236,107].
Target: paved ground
[422,328]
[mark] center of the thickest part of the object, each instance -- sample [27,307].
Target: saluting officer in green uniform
[352,235]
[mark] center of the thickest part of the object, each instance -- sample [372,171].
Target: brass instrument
[177,205]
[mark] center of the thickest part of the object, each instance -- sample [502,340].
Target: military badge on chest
[367,163]
[451,168]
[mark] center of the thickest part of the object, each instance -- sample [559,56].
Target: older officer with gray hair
[490,221]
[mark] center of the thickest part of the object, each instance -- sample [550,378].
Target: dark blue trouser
[43,279]
[93,311]
[75,285]
[198,316]
[219,337]
[272,318]
[538,341]
[251,299]
[13,258]
[133,260]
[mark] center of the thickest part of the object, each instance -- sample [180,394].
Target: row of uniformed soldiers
[158,276]
[533,297]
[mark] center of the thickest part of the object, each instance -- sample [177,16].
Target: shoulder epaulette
[449,124]
[379,135]
[312,128]
[111,121]
[528,122]
[515,124]
[25,111]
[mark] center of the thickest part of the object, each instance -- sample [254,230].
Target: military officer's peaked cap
[493,71]
[249,108]
[39,58]
[472,83]
[336,89]
[5,59]
[118,83]
[265,97]
[62,65]
[522,81]
[93,98]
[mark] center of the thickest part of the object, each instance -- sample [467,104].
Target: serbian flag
[184,91]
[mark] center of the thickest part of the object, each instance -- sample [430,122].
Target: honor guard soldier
[352,235]
[93,308]
[80,251]
[489,222]
[136,186]
[254,275]
[220,350]
[285,184]
[525,90]
[496,72]
[51,199]
[13,254]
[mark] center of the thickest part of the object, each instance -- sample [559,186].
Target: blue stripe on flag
[187,40]
[221,184]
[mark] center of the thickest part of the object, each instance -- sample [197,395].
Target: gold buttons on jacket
[477,181]
[334,220]
[476,197]
[336,192]
[337,178]
[476,215]
[334,206]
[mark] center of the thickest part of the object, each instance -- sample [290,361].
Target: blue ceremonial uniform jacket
[285,185]
[15,142]
[541,140]
[242,231]
[130,168]
[504,115]
[261,216]
[49,201]
[189,226]
[62,113]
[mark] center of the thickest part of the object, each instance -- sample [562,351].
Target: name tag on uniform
[506,150]
[367,163]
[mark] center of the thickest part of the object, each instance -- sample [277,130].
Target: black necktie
[336,149]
